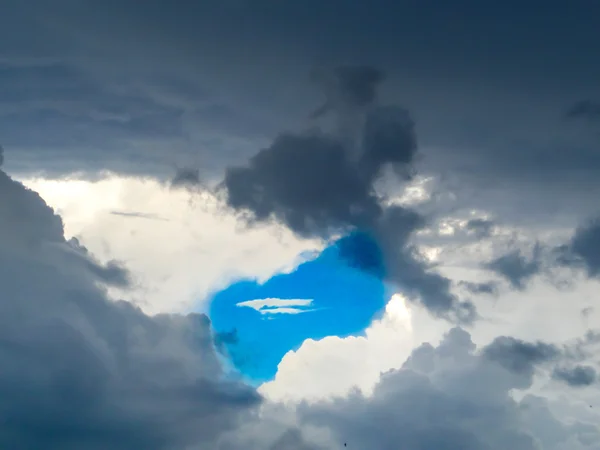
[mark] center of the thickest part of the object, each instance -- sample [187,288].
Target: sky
[299,225]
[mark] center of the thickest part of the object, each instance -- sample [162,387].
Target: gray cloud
[186,177]
[306,182]
[481,227]
[192,83]
[317,185]
[584,248]
[112,273]
[84,372]
[580,252]
[448,397]
[489,287]
[519,356]
[577,376]
[517,268]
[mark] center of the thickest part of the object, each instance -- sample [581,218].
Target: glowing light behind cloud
[178,248]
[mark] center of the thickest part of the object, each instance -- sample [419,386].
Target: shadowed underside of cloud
[320,184]
[336,294]
[81,371]
[578,376]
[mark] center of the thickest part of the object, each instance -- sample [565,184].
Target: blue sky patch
[336,294]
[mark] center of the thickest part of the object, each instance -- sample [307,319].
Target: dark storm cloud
[578,376]
[81,371]
[580,252]
[486,99]
[516,267]
[319,184]
[585,109]
[305,181]
[112,273]
[450,397]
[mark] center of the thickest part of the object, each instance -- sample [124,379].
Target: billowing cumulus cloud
[453,396]
[81,371]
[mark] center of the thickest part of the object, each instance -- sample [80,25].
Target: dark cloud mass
[580,252]
[319,184]
[518,356]
[83,372]
[585,247]
[306,182]
[578,376]
[516,267]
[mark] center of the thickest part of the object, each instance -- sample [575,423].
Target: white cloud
[193,248]
[277,305]
[334,365]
